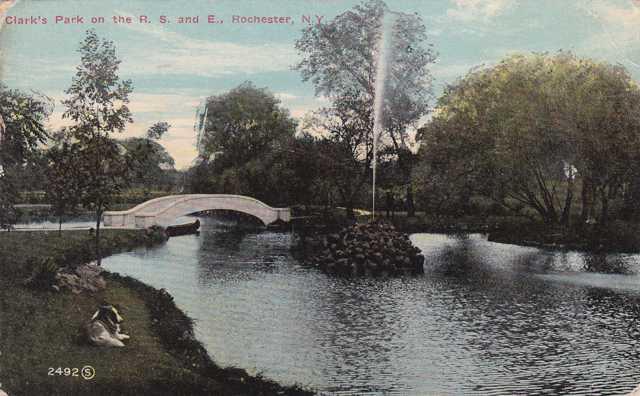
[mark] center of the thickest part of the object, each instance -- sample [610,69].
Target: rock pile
[374,248]
[76,279]
[80,278]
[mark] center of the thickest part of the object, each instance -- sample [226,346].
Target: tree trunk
[98,252]
[411,208]
[566,212]
[568,199]
[585,214]
[59,226]
[604,215]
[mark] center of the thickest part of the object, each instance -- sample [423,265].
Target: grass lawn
[40,330]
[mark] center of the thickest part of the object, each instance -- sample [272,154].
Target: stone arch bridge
[165,210]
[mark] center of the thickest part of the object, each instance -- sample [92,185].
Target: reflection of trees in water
[231,253]
[460,261]
[225,241]
[602,262]
[535,262]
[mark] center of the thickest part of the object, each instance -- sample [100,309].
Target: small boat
[183,229]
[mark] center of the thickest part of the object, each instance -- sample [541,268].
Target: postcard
[333,197]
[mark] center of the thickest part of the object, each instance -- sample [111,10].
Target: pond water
[51,223]
[485,318]
[85,221]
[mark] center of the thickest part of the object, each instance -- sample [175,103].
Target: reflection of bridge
[164,211]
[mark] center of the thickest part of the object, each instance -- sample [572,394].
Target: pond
[485,318]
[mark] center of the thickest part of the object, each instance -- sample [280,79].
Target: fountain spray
[199,126]
[384,50]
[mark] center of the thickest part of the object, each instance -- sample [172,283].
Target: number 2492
[66,371]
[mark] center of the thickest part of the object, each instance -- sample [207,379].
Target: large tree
[244,123]
[246,133]
[528,131]
[341,59]
[22,131]
[97,104]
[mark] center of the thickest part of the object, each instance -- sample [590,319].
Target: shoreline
[617,237]
[175,330]
[164,352]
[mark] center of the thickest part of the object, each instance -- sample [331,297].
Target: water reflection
[608,263]
[486,318]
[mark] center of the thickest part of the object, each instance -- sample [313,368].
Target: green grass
[40,329]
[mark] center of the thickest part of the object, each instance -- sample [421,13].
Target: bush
[155,235]
[44,274]
[617,235]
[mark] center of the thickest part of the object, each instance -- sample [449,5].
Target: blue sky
[174,67]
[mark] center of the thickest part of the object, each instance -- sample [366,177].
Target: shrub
[44,274]
[155,235]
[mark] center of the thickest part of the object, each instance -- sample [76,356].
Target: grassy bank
[40,330]
[39,213]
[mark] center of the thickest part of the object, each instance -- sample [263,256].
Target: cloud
[147,109]
[163,103]
[176,53]
[619,36]
[478,10]
[450,72]
[19,68]
[285,96]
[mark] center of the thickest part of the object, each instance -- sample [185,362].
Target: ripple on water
[486,318]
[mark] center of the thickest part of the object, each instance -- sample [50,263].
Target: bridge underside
[164,211]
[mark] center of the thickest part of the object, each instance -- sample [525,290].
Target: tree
[157,130]
[346,151]
[244,123]
[97,103]
[529,130]
[22,131]
[341,59]
[149,161]
[246,134]
[8,194]
[64,181]
[22,127]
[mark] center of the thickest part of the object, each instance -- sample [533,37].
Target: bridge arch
[163,211]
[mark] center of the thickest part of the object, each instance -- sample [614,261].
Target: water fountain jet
[384,51]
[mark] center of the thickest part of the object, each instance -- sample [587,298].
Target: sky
[174,67]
